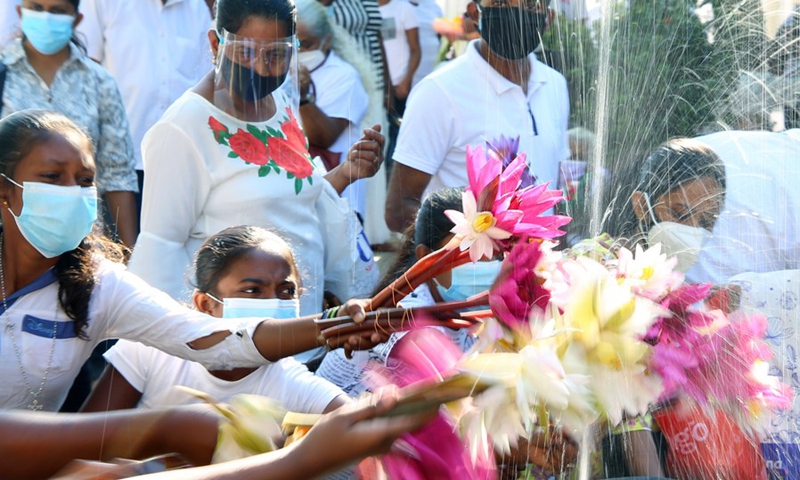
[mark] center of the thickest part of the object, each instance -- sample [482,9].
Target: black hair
[231,14]
[669,166]
[430,228]
[75,270]
[217,254]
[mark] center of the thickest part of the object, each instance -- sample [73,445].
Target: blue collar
[43,280]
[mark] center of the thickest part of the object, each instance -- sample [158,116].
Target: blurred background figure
[401,43]
[787,40]
[427,11]
[47,68]
[9,21]
[362,20]
[155,49]
[338,91]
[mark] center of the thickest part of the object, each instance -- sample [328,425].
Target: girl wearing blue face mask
[61,294]
[48,68]
[231,151]
[240,272]
[431,231]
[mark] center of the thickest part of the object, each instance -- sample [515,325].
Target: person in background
[429,42]
[47,68]
[242,271]
[675,197]
[497,88]
[400,34]
[231,152]
[155,49]
[338,93]
[362,20]
[9,21]
[63,290]
[757,229]
[430,232]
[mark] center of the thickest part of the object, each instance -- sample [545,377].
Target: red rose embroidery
[251,149]
[221,133]
[291,152]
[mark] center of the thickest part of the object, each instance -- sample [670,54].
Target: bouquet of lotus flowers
[577,338]
[501,206]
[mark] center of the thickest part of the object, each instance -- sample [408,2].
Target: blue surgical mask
[260,307]
[49,33]
[469,280]
[55,219]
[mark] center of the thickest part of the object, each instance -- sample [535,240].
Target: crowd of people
[201,180]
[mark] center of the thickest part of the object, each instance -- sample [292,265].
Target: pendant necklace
[35,404]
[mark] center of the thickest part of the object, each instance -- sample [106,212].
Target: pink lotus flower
[495,209]
[476,231]
[437,451]
[518,289]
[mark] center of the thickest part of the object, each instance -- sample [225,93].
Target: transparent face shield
[253,77]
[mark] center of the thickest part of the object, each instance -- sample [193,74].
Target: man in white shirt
[757,230]
[497,87]
[155,49]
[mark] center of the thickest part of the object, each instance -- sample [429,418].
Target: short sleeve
[409,18]
[90,29]
[426,134]
[133,360]
[300,390]
[114,156]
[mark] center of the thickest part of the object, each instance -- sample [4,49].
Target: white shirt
[398,16]
[9,21]
[197,185]
[757,230]
[427,11]
[340,94]
[350,373]
[154,51]
[467,103]
[121,306]
[155,374]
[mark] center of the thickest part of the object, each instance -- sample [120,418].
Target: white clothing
[757,230]
[349,374]
[398,16]
[121,306]
[427,11]
[155,374]
[155,51]
[776,295]
[468,103]
[9,22]
[340,94]
[197,185]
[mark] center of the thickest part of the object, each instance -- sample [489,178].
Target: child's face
[256,274]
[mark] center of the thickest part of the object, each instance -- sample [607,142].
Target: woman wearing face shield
[230,151]
[678,193]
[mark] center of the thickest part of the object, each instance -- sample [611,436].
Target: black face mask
[248,84]
[510,32]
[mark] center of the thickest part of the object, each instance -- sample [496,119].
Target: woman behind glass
[230,151]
